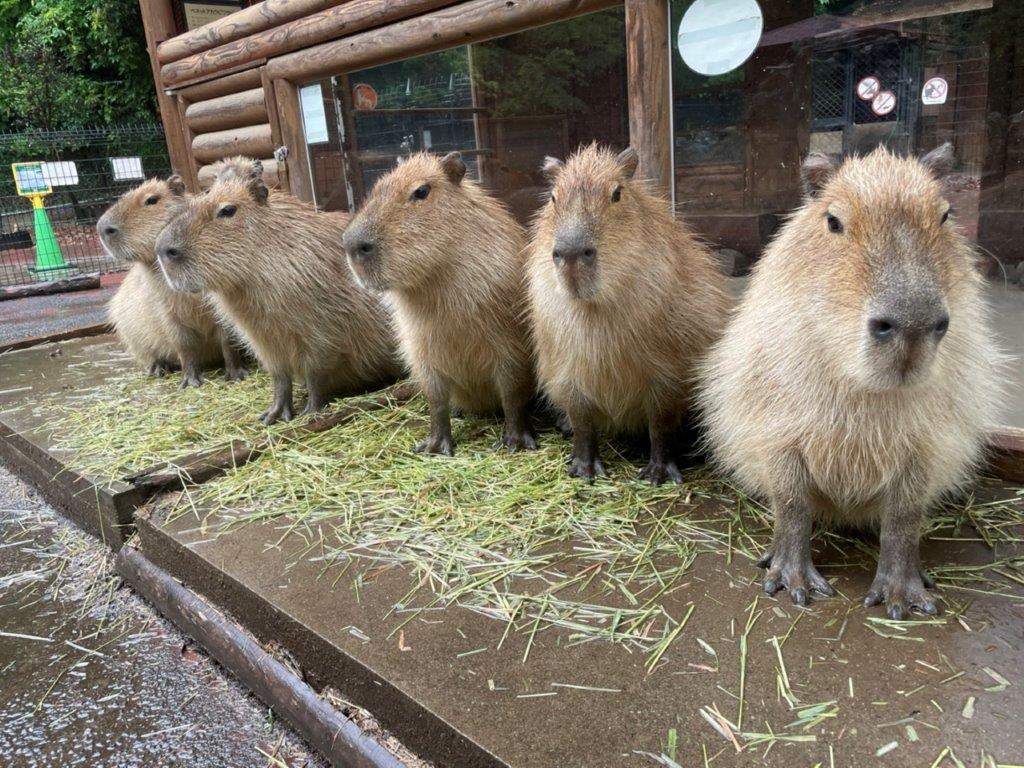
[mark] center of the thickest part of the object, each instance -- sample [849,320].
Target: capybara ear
[176,184]
[551,167]
[940,161]
[816,171]
[628,160]
[453,167]
[257,188]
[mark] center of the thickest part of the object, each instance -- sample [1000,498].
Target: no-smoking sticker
[935,91]
[883,103]
[868,87]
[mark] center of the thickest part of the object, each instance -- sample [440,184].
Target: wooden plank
[271,106]
[235,110]
[1006,454]
[158,22]
[339,21]
[465,23]
[96,329]
[650,101]
[188,135]
[252,140]
[249,21]
[336,736]
[221,86]
[60,285]
[289,112]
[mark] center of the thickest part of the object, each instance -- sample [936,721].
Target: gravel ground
[91,676]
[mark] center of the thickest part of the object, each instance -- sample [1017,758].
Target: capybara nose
[883,328]
[572,255]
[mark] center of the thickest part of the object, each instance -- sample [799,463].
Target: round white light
[716,36]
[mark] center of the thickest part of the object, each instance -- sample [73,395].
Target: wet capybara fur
[275,270]
[449,258]
[624,300]
[162,329]
[856,380]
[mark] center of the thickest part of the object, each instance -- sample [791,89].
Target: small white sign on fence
[127,168]
[60,174]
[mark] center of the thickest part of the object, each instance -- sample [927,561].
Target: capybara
[161,328]
[624,300]
[449,257]
[856,380]
[275,269]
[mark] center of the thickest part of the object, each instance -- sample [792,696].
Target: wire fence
[86,170]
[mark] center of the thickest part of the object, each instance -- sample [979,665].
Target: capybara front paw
[439,444]
[902,594]
[275,414]
[519,441]
[159,369]
[586,469]
[236,374]
[564,425]
[311,408]
[191,380]
[795,573]
[657,472]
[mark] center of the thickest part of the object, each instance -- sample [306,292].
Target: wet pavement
[91,676]
[36,316]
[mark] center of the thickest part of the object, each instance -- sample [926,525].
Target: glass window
[843,77]
[504,104]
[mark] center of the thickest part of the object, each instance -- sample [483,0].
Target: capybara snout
[130,226]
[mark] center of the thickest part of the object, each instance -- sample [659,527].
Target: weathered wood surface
[335,736]
[457,25]
[249,21]
[339,21]
[234,110]
[650,102]
[1006,454]
[271,174]
[222,86]
[289,115]
[97,329]
[60,285]
[252,140]
[201,466]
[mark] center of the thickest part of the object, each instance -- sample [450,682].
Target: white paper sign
[314,119]
[127,168]
[716,36]
[935,91]
[61,174]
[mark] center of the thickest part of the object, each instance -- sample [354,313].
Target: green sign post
[31,183]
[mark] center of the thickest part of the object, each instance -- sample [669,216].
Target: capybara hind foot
[160,368]
[519,440]
[795,572]
[233,373]
[443,445]
[277,412]
[191,379]
[564,425]
[586,468]
[658,472]
[903,593]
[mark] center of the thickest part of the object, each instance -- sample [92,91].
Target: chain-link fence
[86,170]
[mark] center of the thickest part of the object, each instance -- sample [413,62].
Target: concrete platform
[451,690]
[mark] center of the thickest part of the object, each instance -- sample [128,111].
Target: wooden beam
[289,113]
[257,18]
[158,22]
[252,140]
[650,100]
[1006,454]
[191,178]
[339,21]
[232,111]
[221,86]
[465,23]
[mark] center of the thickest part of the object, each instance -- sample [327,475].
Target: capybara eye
[617,194]
[420,193]
[945,216]
[227,211]
[152,200]
[834,224]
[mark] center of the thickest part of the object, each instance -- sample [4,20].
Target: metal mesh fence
[86,170]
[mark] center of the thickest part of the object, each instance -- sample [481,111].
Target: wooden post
[650,100]
[289,112]
[158,21]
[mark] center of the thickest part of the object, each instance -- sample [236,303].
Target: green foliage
[67,64]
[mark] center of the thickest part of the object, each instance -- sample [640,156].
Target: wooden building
[337,89]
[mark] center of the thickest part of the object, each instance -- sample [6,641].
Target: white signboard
[62,174]
[868,87]
[883,103]
[935,91]
[717,36]
[127,168]
[314,119]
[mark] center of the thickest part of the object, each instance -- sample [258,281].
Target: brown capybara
[449,257]
[162,328]
[856,380]
[624,301]
[275,269]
